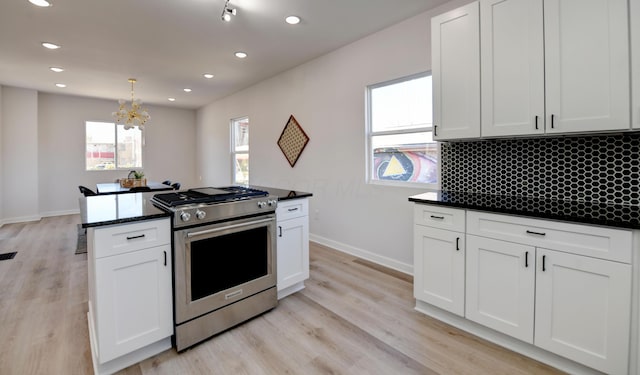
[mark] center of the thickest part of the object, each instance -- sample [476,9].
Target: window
[110,146]
[401,150]
[240,151]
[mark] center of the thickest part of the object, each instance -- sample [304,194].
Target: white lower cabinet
[439,268]
[501,286]
[562,288]
[130,293]
[583,309]
[292,245]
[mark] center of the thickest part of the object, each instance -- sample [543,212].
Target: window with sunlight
[240,151]
[399,128]
[110,146]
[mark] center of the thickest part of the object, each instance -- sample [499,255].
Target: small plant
[138,174]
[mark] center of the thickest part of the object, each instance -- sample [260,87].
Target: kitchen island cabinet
[130,294]
[562,292]
[293,245]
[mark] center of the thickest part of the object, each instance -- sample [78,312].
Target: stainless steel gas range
[224,258]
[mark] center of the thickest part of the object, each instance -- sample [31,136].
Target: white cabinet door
[455,46]
[500,286]
[134,301]
[512,61]
[439,268]
[583,309]
[634,7]
[586,65]
[293,251]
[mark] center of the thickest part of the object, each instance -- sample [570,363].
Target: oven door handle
[232,226]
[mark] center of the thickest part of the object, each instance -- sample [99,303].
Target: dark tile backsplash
[602,168]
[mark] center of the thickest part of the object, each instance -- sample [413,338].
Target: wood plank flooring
[354,317]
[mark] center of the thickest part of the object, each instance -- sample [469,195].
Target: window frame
[370,134]
[234,152]
[115,130]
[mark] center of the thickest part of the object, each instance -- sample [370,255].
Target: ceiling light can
[56,69]
[241,55]
[187,89]
[208,75]
[292,20]
[50,45]
[61,85]
[40,3]
[171,99]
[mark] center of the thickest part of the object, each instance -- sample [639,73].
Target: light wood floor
[354,317]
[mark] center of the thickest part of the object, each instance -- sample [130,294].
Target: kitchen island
[130,260]
[558,281]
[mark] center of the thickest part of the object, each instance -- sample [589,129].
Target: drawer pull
[165,258]
[457,243]
[536,122]
[538,233]
[526,259]
[552,117]
[134,237]
[437,217]
[544,266]
[280,229]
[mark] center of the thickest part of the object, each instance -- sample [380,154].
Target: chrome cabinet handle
[537,233]
[134,237]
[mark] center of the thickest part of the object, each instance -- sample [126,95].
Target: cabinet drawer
[292,208]
[119,239]
[439,217]
[593,241]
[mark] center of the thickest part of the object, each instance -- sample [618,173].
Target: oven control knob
[200,214]
[262,204]
[185,216]
[272,202]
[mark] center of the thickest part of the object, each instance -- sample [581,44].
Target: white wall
[20,153]
[1,162]
[327,97]
[169,151]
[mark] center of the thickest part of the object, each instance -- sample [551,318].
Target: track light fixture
[227,12]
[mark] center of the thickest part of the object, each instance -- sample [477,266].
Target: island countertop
[589,212]
[111,209]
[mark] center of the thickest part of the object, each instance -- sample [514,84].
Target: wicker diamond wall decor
[292,141]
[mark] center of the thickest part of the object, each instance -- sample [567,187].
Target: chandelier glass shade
[132,116]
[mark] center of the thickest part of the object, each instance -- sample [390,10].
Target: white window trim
[369,133]
[232,147]
[115,129]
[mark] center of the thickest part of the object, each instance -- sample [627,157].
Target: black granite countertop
[283,194]
[615,215]
[111,209]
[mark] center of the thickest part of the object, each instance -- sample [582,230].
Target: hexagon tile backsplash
[602,168]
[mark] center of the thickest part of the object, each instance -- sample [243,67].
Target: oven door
[219,264]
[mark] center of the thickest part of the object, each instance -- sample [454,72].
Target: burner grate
[208,195]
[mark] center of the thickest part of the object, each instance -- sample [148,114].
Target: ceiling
[169,44]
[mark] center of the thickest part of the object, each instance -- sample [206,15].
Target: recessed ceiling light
[172,99]
[50,45]
[241,55]
[208,75]
[56,69]
[187,90]
[61,85]
[40,3]
[292,20]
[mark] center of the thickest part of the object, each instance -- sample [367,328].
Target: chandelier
[133,116]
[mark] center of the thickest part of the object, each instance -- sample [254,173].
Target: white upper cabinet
[635,63]
[546,67]
[512,61]
[586,65]
[455,41]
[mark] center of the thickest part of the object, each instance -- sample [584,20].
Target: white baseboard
[364,254]
[21,219]
[60,213]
